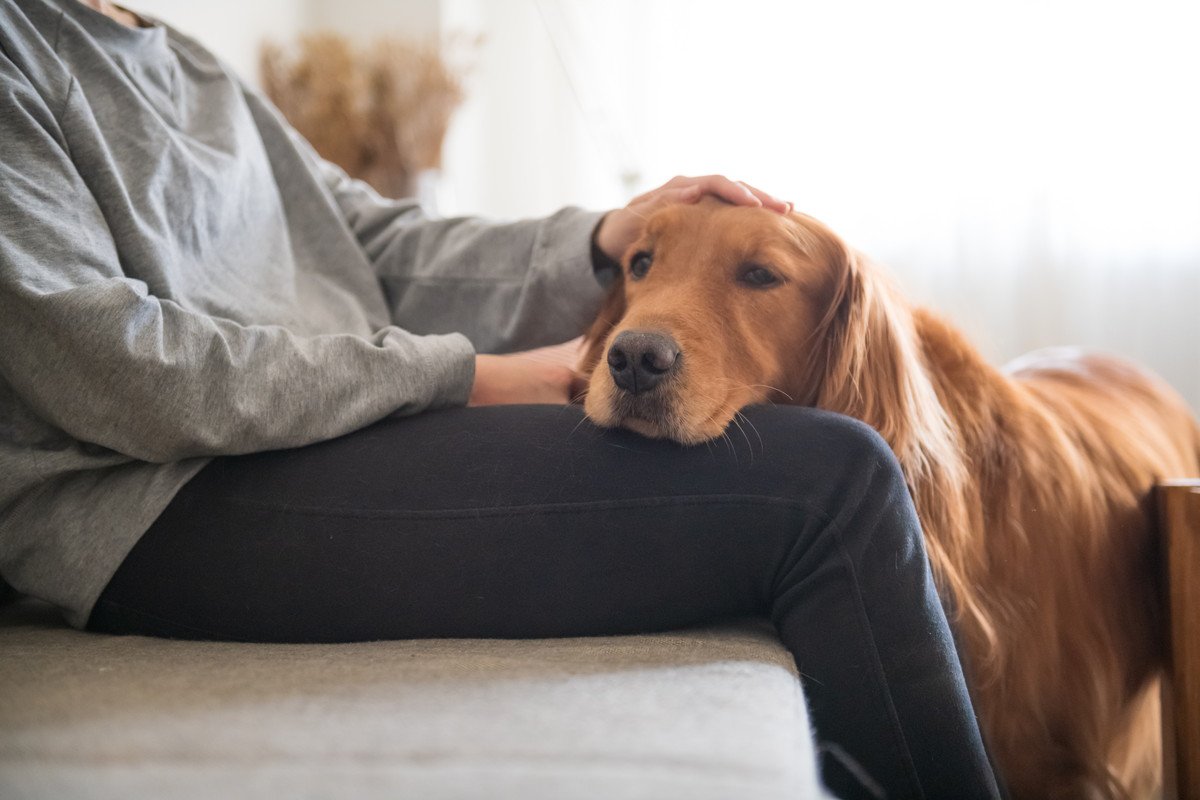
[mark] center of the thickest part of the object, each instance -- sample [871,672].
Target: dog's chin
[673,430]
[647,428]
[653,416]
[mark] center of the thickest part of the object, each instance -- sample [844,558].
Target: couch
[701,714]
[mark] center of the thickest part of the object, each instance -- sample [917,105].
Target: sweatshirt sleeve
[96,353]
[505,285]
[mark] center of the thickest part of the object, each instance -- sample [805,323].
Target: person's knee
[841,466]
[857,441]
[871,495]
[835,444]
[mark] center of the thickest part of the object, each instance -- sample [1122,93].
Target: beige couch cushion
[705,713]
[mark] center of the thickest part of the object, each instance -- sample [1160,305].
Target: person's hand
[545,375]
[622,227]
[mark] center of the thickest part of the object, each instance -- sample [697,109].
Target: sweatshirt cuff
[445,371]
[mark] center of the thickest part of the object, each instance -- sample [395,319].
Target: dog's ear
[612,309]
[870,365]
[873,367]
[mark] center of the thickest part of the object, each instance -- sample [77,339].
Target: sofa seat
[713,712]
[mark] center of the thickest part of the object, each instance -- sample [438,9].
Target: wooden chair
[1179,513]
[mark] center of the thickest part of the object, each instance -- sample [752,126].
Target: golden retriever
[1032,485]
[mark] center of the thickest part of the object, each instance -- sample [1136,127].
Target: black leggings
[527,521]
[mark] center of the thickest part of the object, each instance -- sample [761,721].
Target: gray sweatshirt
[182,277]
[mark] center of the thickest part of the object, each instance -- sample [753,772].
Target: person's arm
[506,285]
[95,353]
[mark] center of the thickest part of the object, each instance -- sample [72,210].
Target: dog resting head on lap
[1032,485]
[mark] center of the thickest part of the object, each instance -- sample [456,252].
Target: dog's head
[718,307]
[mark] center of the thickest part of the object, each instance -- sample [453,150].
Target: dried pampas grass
[381,112]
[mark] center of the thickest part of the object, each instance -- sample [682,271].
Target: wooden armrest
[1179,519]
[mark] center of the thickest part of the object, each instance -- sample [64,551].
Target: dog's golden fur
[1032,484]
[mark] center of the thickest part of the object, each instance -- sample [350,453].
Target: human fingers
[665,196]
[712,184]
[769,200]
[718,185]
[729,190]
[742,193]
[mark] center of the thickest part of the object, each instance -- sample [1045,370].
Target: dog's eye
[640,264]
[758,277]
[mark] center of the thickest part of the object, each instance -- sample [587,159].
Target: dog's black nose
[639,360]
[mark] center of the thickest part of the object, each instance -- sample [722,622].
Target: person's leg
[529,522]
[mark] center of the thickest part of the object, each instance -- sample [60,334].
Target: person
[245,398]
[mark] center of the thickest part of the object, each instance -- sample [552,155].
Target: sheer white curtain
[1030,168]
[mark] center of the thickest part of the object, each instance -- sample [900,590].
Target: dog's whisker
[577,426]
[753,427]
[730,445]
[742,430]
[762,447]
[765,386]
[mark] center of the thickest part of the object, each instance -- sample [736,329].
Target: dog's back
[1084,444]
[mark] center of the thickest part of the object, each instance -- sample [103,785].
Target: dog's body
[1051,536]
[1033,486]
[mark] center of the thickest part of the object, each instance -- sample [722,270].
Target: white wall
[521,145]
[363,20]
[233,29]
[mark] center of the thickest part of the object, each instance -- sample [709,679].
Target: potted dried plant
[379,112]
